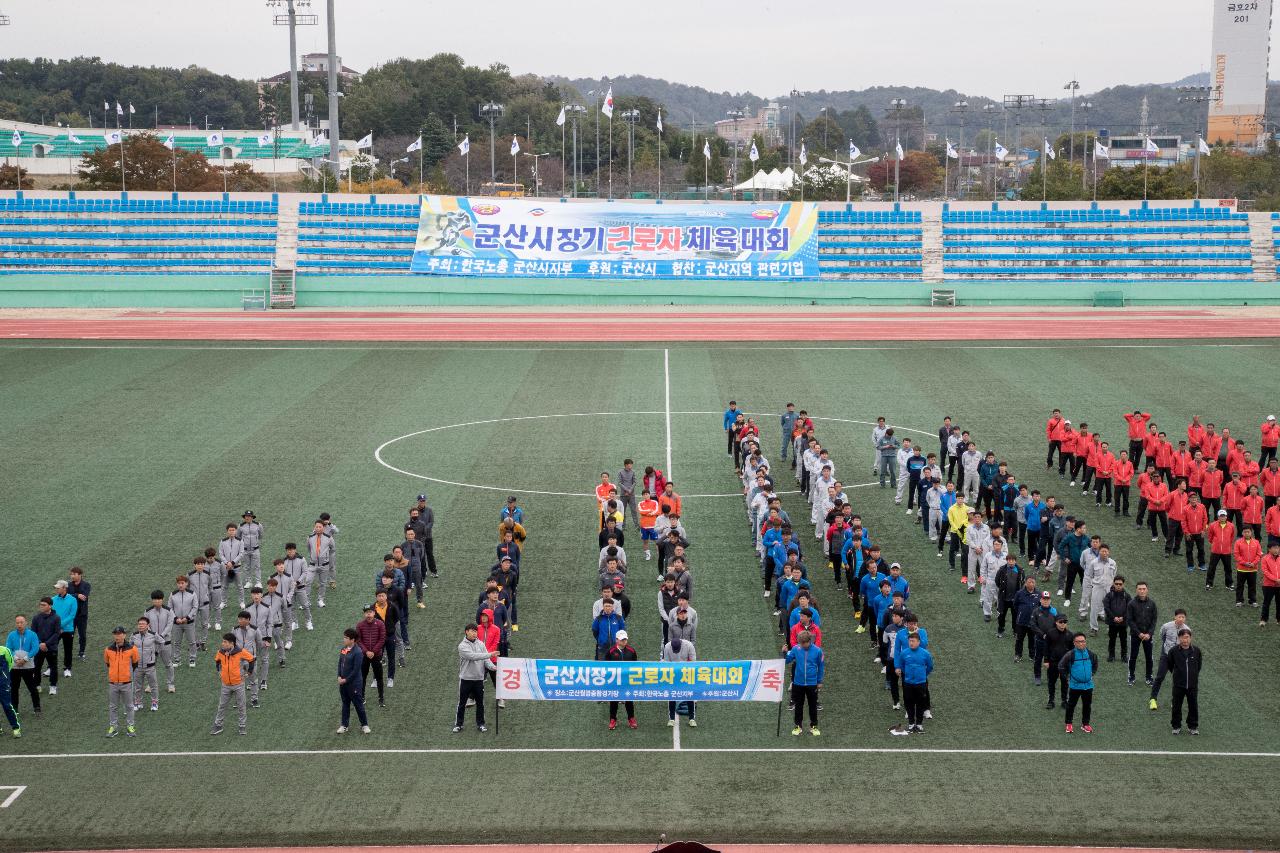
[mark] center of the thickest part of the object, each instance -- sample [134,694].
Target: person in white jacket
[969,461]
[992,561]
[876,434]
[979,542]
[1088,557]
[1104,575]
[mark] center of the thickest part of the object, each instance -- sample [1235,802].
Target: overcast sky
[763,46]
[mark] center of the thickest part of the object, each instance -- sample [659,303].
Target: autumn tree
[14,178]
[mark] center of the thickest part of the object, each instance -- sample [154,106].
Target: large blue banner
[520,237]
[641,681]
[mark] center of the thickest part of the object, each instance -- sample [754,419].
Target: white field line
[358,346]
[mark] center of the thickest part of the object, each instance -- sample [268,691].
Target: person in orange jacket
[1251,512]
[1210,442]
[122,658]
[1176,510]
[1164,456]
[1222,540]
[1105,473]
[1158,507]
[231,661]
[1270,582]
[1053,430]
[1122,477]
[1270,440]
[649,511]
[1194,521]
[1211,487]
[1137,427]
[1270,479]
[1195,434]
[1144,491]
[1248,554]
[1233,498]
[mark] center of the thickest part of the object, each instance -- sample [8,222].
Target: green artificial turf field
[129,460]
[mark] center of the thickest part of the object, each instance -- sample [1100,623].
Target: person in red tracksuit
[1083,441]
[1211,487]
[1270,439]
[1271,521]
[1270,479]
[1066,450]
[1251,513]
[1233,498]
[1248,554]
[1195,434]
[1053,430]
[1164,456]
[1137,428]
[1210,443]
[1270,582]
[1249,469]
[1144,490]
[1091,461]
[1122,477]
[1105,473]
[1149,441]
[1222,540]
[1195,472]
[1158,507]
[1194,521]
[1180,464]
[1176,511]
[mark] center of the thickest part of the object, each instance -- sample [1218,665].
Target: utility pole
[333,87]
[961,108]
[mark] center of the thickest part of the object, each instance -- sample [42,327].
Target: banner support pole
[779,734]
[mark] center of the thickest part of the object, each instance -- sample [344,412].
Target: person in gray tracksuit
[279,619]
[161,619]
[320,559]
[303,574]
[1104,575]
[263,621]
[230,559]
[144,677]
[286,588]
[201,582]
[250,532]
[330,530]
[970,459]
[1087,558]
[248,639]
[680,651]
[185,606]
[877,433]
[626,483]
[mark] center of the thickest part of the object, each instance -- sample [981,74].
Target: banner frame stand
[779,734]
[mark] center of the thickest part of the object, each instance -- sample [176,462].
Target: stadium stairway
[287,235]
[1262,245]
[931,247]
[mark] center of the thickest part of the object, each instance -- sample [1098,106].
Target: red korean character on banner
[510,679]
[771,679]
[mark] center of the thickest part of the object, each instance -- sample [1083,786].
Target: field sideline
[155,445]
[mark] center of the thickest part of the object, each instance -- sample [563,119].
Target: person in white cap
[250,532]
[621,650]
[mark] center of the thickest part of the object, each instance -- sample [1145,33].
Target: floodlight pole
[492,111]
[897,105]
[630,117]
[292,21]
[334,152]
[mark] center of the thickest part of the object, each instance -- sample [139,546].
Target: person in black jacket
[1185,663]
[1115,607]
[350,684]
[1141,618]
[1042,622]
[48,630]
[1058,642]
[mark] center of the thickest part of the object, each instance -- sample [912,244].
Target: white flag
[754,155]
[706,149]
[854,151]
[560,118]
[951,151]
[659,125]
[1204,147]
[106,105]
[131,109]
[465,145]
[366,141]
[213,139]
[897,146]
[804,155]
[17,139]
[113,138]
[264,140]
[515,145]
[1151,146]
[169,143]
[1001,151]
[415,145]
[1100,150]
[1048,149]
[607,106]
[119,109]
[71,137]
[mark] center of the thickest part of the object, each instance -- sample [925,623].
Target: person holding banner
[680,651]
[473,659]
[806,680]
[621,650]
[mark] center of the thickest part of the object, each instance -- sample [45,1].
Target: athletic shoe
[130,731]
[797,730]
[342,730]
[515,627]
[777,613]
[216,730]
[66,673]
[321,602]
[172,689]
[112,731]
[766,593]
[671,723]
[1155,538]
[1087,729]
[191,663]
[1049,706]
[1239,604]
[1059,593]
[1130,682]
[53,690]
[391,682]
[1066,603]
[1149,681]
[309,626]
[928,715]
[897,706]
[242,732]
[1194,731]
[217,626]
[421,606]
[972,590]
[1208,586]
[1070,728]
[1229,585]
[381,703]
[1073,482]
[815,731]
[964,579]
[1176,732]
[364,730]
[631,723]
[254,703]
[502,703]
[919,729]
[646,555]
[999,635]
[293,626]
[1153,705]
[693,724]
[289,645]
[457,729]
[862,629]
[1036,680]
[155,706]
[613,724]
[17,732]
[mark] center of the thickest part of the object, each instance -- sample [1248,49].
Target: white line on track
[615,750]
[360,346]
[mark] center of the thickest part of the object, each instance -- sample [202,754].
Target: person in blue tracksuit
[913,665]
[730,415]
[605,628]
[1080,664]
[806,679]
[65,606]
[868,589]
[1033,514]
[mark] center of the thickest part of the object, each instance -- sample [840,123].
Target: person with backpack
[1080,665]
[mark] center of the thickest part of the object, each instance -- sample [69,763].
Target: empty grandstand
[353,238]
[854,244]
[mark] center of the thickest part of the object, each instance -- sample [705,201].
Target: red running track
[507,325]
